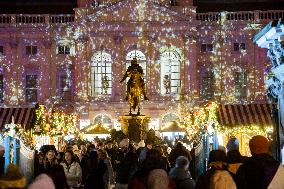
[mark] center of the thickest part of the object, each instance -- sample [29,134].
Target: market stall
[95,131]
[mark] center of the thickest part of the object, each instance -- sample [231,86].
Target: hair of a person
[102,154]
[153,160]
[158,179]
[72,156]
[259,145]
[217,155]
[58,177]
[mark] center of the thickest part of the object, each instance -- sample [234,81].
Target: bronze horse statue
[135,86]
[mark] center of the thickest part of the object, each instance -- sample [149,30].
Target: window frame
[31,50]
[31,88]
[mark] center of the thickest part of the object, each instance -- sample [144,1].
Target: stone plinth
[135,127]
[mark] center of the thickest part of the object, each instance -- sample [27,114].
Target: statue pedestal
[135,127]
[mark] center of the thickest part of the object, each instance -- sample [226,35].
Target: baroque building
[78,60]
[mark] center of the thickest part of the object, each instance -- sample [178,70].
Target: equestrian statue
[135,86]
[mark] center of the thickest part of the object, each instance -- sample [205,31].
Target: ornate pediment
[137,11]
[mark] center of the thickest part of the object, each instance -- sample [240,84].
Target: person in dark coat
[111,152]
[217,164]
[2,160]
[153,161]
[126,164]
[261,170]
[179,150]
[97,169]
[181,175]
[234,157]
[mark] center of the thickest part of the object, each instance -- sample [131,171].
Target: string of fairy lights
[119,29]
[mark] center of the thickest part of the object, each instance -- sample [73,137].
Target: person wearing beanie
[158,179]
[181,174]
[234,157]
[43,181]
[261,171]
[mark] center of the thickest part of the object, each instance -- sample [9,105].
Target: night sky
[66,6]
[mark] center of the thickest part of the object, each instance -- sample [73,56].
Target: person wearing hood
[261,171]
[181,175]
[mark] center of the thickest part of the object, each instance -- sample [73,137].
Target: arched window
[170,117]
[170,72]
[101,72]
[141,59]
[240,78]
[104,120]
[208,83]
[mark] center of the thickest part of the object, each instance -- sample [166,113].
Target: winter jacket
[73,173]
[182,178]
[257,172]
[109,175]
[95,178]
[235,160]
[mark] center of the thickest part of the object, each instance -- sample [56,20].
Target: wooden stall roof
[22,116]
[251,114]
[95,129]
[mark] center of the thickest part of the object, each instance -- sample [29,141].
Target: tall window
[31,50]
[174,3]
[170,72]
[96,3]
[65,86]
[1,88]
[63,49]
[31,88]
[208,82]
[206,48]
[170,117]
[141,59]
[240,84]
[104,120]
[1,50]
[101,73]
[238,47]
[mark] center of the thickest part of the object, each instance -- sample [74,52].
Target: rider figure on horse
[131,72]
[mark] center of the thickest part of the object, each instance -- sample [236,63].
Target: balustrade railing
[25,19]
[241,16]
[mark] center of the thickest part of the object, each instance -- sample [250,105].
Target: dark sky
[66,6]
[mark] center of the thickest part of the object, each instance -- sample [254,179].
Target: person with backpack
[261,171]
[217,176]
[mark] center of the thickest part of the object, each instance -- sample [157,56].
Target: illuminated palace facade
[78,60]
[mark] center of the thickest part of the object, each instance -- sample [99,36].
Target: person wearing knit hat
[181,174]
[234,157]
[261,171]
[158,179]
[43,181]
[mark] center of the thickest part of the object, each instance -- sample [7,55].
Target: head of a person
[42,181]
[149,145]
[182,162]
[157,179]
[259,145]
[109,144]
[69,156]
[179,145]
[2,151]
[58,177]
[100,145]
[102,154]
[83,150]
[134,61]
[217,156]
[50,155]
[124,144]
[232,144]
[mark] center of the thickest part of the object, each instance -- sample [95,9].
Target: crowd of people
[101,165]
